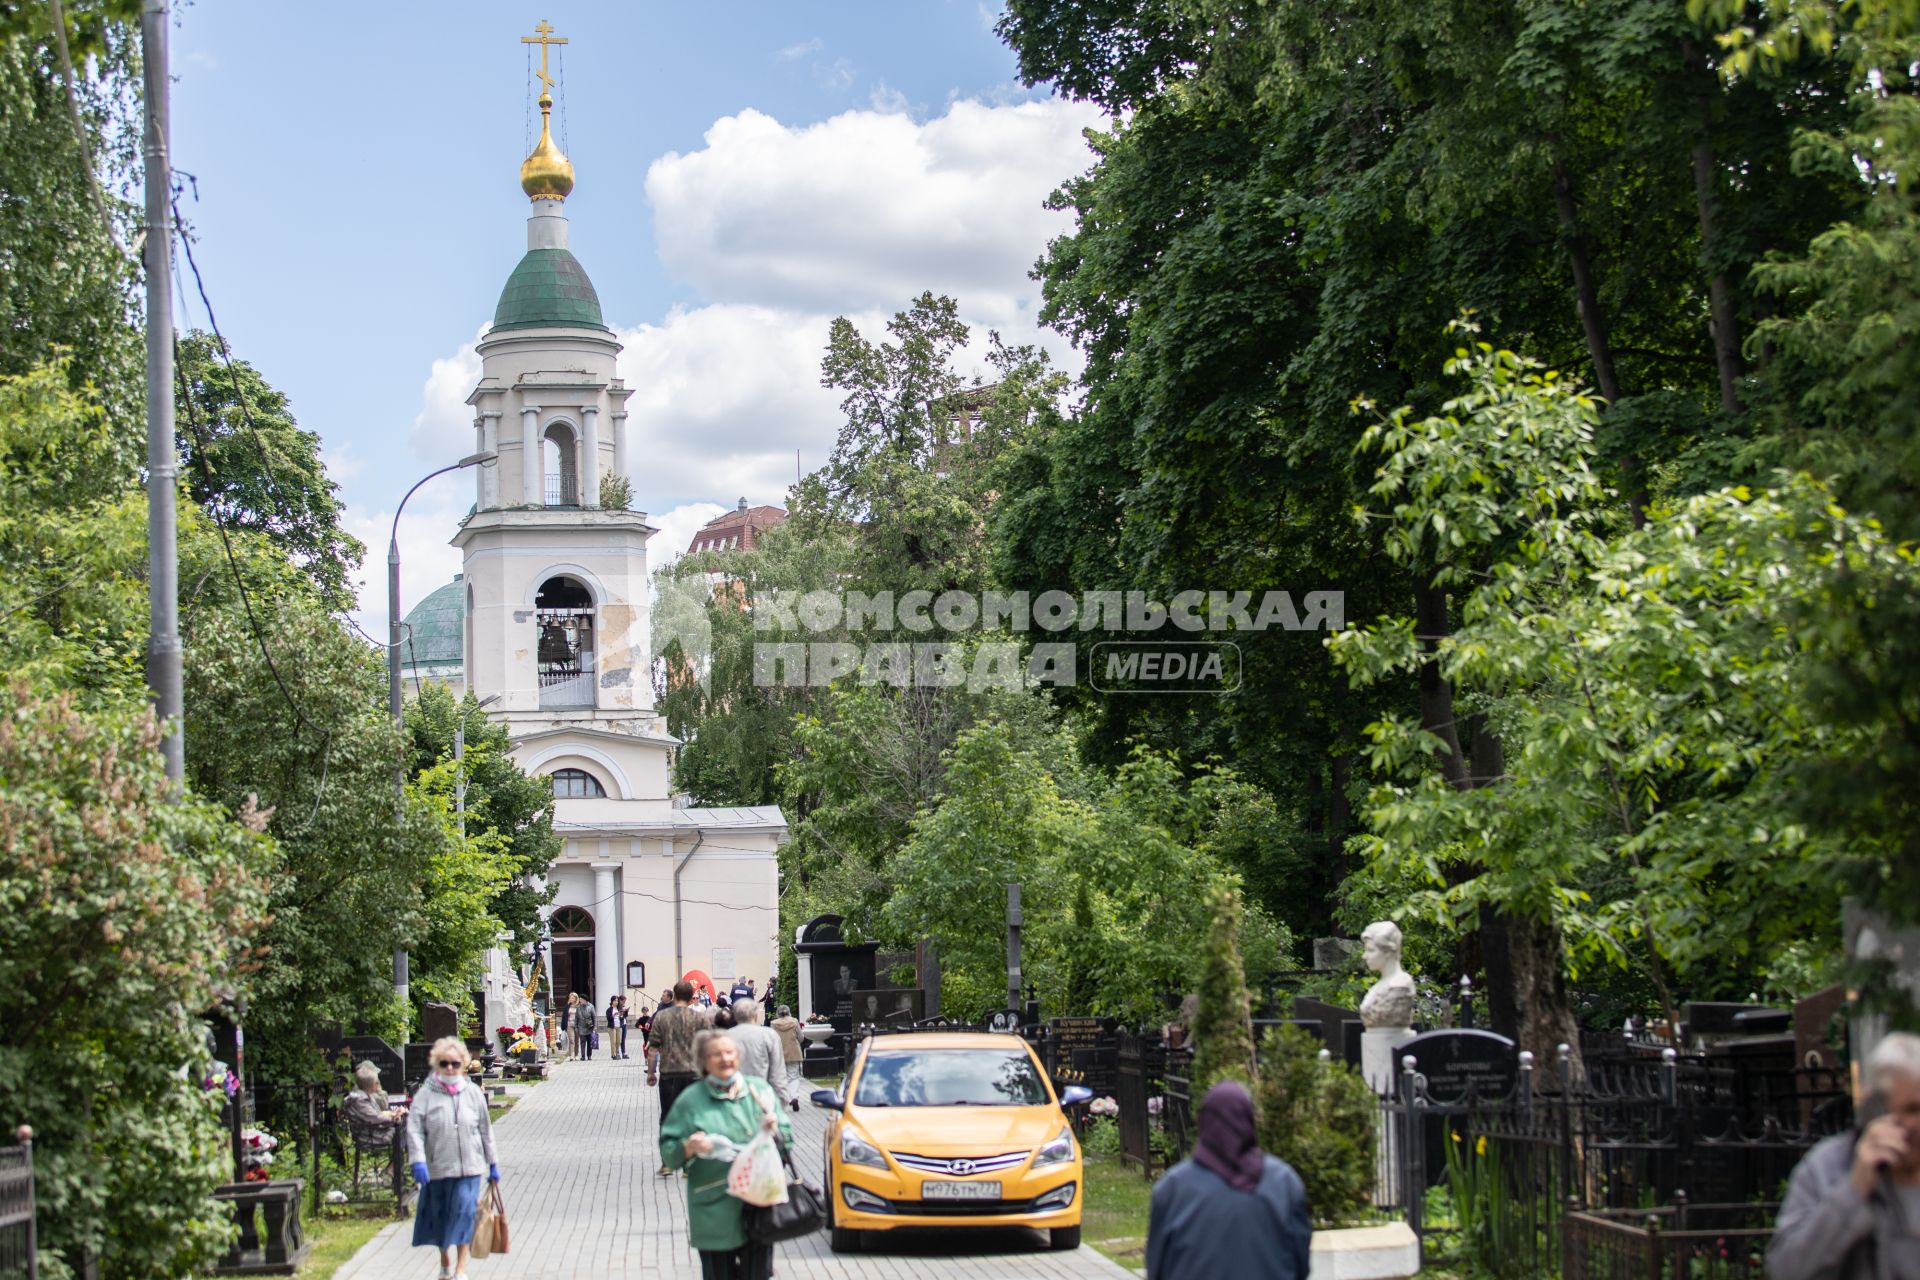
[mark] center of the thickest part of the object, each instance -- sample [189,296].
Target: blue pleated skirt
[445,1212]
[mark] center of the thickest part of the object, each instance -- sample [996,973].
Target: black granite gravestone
[1462,1066]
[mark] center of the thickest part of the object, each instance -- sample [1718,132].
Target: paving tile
[578,1155]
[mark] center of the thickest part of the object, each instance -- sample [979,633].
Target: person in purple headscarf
[1230,1209]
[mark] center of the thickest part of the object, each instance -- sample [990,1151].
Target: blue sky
[746,170]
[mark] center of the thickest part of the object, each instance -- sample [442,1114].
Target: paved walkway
[579,1154]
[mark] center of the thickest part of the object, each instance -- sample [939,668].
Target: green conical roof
[549,287]
[432,633]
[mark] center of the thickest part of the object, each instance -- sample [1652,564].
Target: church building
[548,626]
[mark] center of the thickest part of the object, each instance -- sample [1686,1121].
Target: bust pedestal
[1379,1050]
[1379,1064]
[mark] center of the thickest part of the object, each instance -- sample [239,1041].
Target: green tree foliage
[72,543]
[248,463]
[1319,1116]
[63,282]
[1285,214]
[716,694]
[1652,691]
[911,475]
[124,916]
[1222,1028]
[1116,873]
[509,811]
[310,740]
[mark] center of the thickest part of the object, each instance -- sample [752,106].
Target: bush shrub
[1319,1117]
[126,913]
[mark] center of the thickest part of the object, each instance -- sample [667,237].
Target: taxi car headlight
[855,1149]
[1058,1150]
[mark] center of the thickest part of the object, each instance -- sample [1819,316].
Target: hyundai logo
[959,1166]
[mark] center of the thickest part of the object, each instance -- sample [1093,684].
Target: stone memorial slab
[1329,1018]
[1086,1052]
[888,1006]
[1464,1065]
[438,1021]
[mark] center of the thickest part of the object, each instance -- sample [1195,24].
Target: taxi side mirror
[1075,1095]
[831,1101]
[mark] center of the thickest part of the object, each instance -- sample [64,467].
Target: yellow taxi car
[950,1129]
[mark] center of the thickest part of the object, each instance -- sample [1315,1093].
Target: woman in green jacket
[711,1119]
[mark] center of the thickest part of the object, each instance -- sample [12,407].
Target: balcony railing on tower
[563,490]
[565,657]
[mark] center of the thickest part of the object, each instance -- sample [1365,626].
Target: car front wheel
[1064,1238]
[843,1240]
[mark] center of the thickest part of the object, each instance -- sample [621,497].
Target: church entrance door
[572,954]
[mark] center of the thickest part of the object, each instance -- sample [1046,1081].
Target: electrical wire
[246,598]
[226,355]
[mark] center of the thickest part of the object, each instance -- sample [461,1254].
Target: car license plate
[959,1190]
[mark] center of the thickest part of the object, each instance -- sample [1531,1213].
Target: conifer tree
[1223,1024]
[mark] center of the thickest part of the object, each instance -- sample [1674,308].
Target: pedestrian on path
[671,1042]
[584,1019]
[792,1052]
[450,1143]
[1230,1209]
[761,1054]
[1853,1204]
[617,1027]
[708,1125]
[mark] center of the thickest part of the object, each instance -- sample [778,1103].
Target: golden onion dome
[547,174]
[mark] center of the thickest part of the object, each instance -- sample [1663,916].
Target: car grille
[960,1208]
[959,1166]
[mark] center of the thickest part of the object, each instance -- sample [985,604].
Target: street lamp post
[400,983]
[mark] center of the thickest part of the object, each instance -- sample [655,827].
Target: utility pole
[163,459]
[1014,921]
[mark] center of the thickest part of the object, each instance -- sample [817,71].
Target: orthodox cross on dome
[543,36]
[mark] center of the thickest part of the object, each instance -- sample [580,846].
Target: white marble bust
[1388,1004]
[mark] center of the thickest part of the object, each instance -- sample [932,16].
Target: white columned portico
[533,471]
[589,455]
[607,977]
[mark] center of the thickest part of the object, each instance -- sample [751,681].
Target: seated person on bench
[372,1118]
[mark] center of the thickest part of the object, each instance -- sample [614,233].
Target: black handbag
[804,1213]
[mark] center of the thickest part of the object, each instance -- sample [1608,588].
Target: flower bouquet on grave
[256,1155]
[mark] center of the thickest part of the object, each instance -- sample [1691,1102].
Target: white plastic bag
[756,1175]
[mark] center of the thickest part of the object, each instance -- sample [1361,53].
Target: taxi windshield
[950,1078]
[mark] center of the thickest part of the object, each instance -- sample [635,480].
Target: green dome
[549,287]
[431,637]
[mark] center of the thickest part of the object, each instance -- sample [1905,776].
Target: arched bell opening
[564,618]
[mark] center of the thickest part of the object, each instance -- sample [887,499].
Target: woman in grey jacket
[450,1142]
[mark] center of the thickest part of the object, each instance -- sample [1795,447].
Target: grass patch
[1114,1218]
[336,1236]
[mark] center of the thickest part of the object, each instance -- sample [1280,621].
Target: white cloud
[866,209]
[779,229]
[443,429]
[836,75]
[427,562]
[888,100]
[794,52]
[342,465]
[677,528]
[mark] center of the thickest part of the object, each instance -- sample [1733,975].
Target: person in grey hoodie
[450,1143]
[1852,1210]
[760,1051]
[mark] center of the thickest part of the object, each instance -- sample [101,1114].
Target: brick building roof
[737,530]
